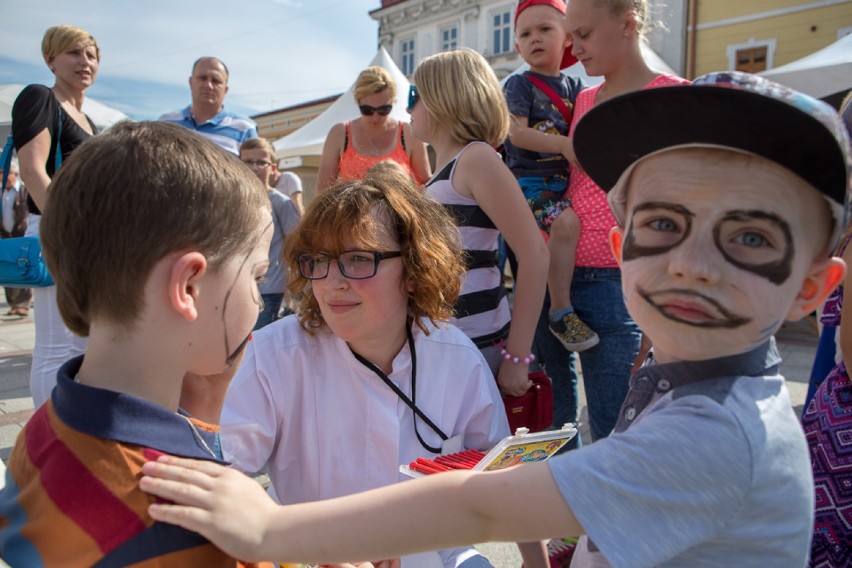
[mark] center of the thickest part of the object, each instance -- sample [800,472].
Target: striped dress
[482,310]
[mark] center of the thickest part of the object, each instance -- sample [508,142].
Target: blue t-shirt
[707,466]
[524,99]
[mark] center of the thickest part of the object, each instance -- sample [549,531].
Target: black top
[36,109]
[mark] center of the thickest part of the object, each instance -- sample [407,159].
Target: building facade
[413,29]
[758,35]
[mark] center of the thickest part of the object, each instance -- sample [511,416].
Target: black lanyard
[403,397]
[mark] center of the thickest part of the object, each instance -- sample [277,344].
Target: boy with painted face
[729,203]
[156,240]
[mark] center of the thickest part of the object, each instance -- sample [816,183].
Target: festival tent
[820,74]
[102,115]
[653,60]
[309,139]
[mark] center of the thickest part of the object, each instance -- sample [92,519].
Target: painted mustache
[692,308]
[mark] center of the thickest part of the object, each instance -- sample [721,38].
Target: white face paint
[716,247]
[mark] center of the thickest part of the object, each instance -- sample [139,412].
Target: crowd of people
[660,229]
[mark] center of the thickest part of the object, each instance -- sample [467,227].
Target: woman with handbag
[47,125]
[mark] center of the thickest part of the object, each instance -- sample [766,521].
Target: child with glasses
[259,155]
[353,147]
[464,124]
[368,376]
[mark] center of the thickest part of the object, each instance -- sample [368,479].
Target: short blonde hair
[462,93]
[374,80]
[259,143]
[432,257]
[60,38]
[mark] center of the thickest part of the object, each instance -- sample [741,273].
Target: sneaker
[560,551]
[573,334]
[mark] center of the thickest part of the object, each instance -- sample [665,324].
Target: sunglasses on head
[368,110]
[413,97]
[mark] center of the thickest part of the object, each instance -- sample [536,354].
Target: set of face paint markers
[523,447]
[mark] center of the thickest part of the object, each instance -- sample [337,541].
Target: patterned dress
[828,429]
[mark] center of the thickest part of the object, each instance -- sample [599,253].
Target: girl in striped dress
[457,106]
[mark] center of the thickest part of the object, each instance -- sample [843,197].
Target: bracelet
[515,359]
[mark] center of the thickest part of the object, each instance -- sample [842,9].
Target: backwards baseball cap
[730,110]
[567,59]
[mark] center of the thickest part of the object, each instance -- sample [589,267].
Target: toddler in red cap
[538,151]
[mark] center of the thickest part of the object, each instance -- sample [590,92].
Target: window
[449,38]
[501,33]
[753,56]
[408,56]
[752,60]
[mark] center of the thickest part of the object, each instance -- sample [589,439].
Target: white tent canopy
[309,139]
[102,115]
[653,60]
[820,74]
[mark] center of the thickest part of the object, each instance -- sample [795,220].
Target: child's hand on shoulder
[231,510]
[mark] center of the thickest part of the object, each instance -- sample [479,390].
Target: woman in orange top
[351,148]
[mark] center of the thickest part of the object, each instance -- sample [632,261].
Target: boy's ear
[823,278]
[186,271]
[616,242]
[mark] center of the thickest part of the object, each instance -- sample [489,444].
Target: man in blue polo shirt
[206,115]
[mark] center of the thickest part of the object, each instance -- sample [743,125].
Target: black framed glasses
[257,163]
[413,97]
[368,110]
[353,264]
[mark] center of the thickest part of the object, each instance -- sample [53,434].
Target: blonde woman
[72,55]
[463,124]
[353,147]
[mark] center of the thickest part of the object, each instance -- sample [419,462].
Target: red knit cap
[567,59]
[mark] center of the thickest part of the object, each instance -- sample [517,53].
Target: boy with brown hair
[156,240]
[729,204]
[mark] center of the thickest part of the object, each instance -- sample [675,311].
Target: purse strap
[551,94]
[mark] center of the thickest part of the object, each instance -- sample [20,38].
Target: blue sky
[279,52]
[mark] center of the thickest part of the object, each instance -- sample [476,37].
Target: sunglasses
[413,97]
[383,110]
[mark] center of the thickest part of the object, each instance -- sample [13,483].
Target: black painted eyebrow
[663,205]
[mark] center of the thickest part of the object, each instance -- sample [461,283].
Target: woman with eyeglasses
[368,375]
[353,147]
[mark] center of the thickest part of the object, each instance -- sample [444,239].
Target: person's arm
[418,155]
[846,312]
[440,511]
[296,198]
[481,174]
[534,140]
[332,151]
[32,158]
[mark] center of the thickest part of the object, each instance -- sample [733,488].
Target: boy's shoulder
[80,496]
